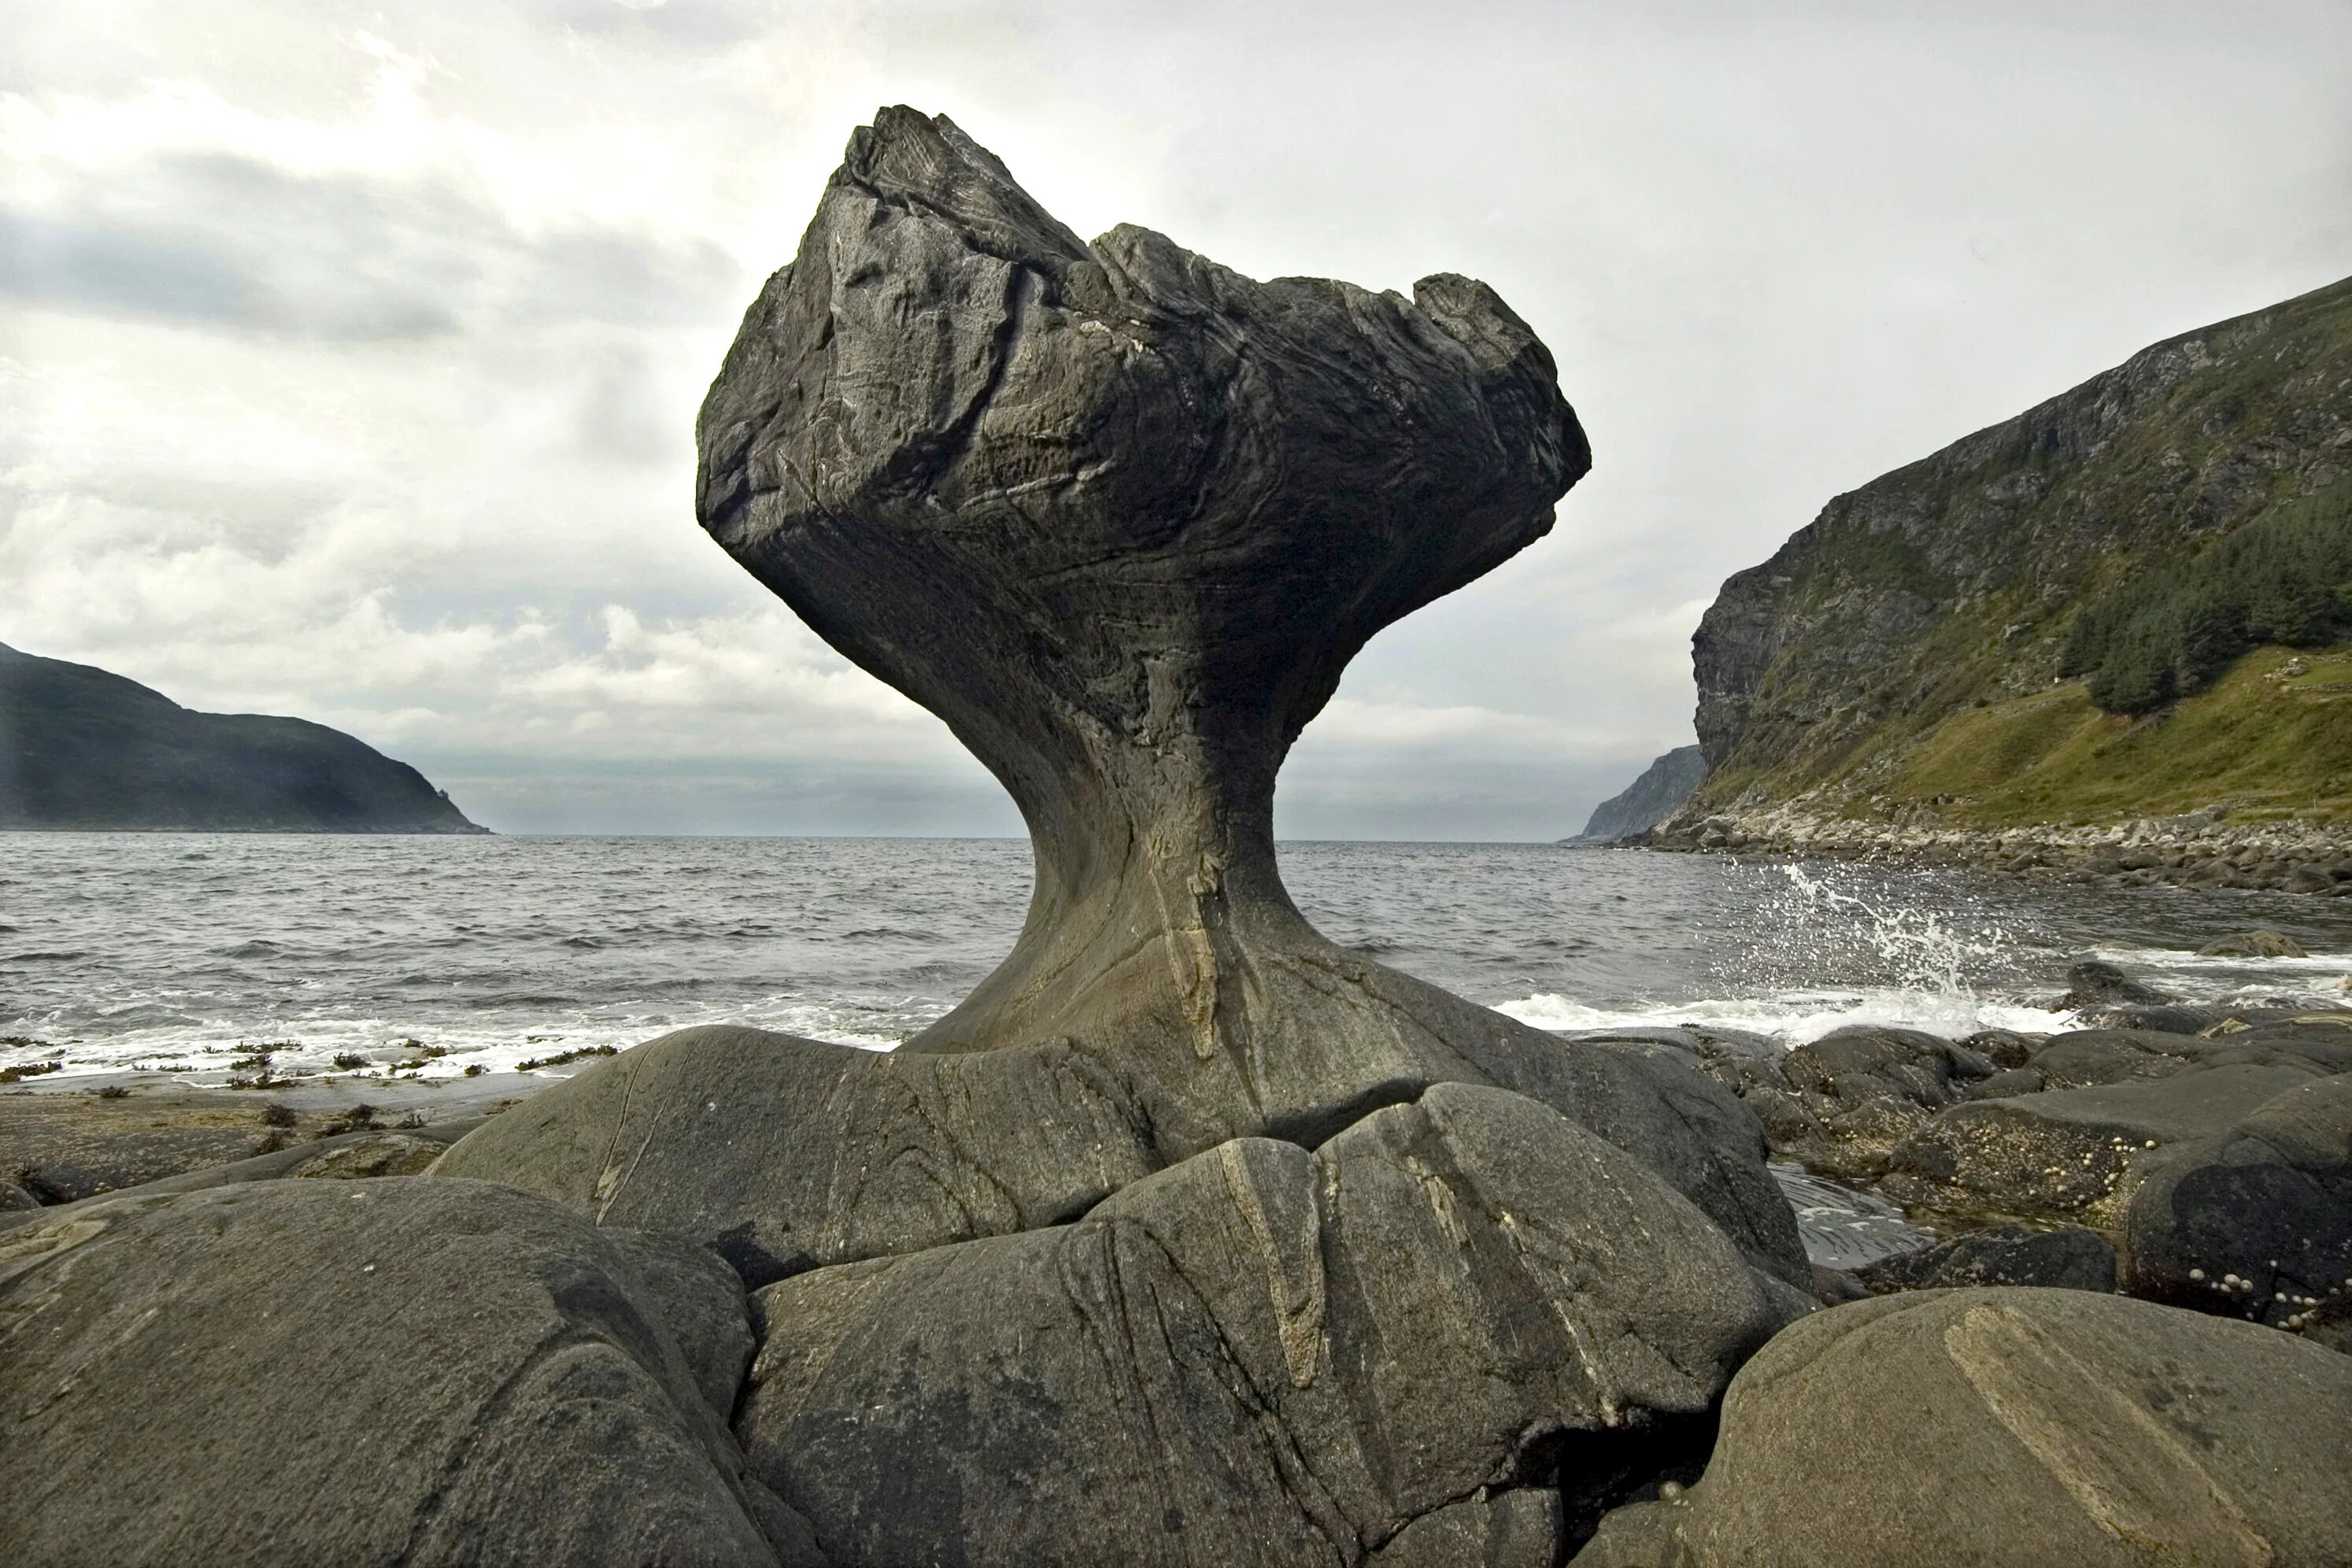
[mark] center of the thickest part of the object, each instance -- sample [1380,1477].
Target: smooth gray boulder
[2256,1222]
[389,1371]
[2012,1426]
[787,1155]
[1261,1354]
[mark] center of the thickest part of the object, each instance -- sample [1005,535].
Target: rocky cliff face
[83,749]
[1649,800]
[1834,675]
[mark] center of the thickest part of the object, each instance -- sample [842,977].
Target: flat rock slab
[2073,1151]
[2256,1222]
[395,1370]
[1262,1355]
[2015,1426]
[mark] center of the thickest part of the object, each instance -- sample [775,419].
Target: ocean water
[187,953]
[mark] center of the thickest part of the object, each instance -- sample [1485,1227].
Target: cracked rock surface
[380,1371]
[1263,1355]
[2014,1426]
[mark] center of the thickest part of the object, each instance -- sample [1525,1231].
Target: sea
[190,953]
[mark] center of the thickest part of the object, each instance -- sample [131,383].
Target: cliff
[2073,617]
[81,749]
[1649,800]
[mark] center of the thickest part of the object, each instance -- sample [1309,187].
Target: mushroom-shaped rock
[1120,516]
[1264,1356]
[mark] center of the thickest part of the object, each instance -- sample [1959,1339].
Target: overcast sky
[350,354]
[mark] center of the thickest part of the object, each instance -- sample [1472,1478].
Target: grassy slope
[2264,746]
[1905,725]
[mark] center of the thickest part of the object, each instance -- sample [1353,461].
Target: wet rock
[2091,1430]
[2063,1259]
[1518,1529]
[1845,1228]
[1260,1354]
[350,1372]
[2256,1222]
[2095,983]
[1854,1094]
[2069,1151]
[2008,1082]
[2005,1049]
[16,1199]
[2253,944]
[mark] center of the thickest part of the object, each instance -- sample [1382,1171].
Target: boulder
[2071,1151]
[2256,1220]
[1854,1094]
[1518,1528]
[2253,944]
[2014,1426]
[2095,983]
[787,1155]
[1264,1354]
[2067,1259]
[397,1370]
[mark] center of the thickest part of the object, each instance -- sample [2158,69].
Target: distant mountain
[1649,800]
[82,748]
[2088,614]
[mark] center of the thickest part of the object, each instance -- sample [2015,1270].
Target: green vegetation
[560,1057]
[2272,736]
[2285,578]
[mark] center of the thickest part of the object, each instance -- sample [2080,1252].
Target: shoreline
[2203,850]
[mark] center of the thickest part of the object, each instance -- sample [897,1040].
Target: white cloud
[349,354]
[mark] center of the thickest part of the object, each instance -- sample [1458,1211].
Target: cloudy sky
[349,354]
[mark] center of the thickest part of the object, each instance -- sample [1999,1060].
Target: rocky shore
[2204,850]
[1191,1237]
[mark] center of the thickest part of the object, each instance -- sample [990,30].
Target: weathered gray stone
[1260,1355]
[2070,1151]
[391,1371]
[2256,1220]
[1121,517]
[2014,1426]
[2067,1259]
[787,1155]
[1519,1528]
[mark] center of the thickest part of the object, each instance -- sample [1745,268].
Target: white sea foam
[1795,1018]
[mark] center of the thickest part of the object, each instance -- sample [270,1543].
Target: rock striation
[1120,516]
[2013,1425]
[394,1370]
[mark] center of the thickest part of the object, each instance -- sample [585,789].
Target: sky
[349,354]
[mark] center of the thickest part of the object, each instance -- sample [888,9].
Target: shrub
[2285,578]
